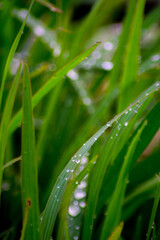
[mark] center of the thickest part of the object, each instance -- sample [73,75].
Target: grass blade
[49,5]
[154,210]
[131,58]
[51,83]
[30,201]
[107,156]
[6,118]
[114,209]
[52,206]
[11,54]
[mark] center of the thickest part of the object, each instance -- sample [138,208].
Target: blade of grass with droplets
[130,71]
[51,83]
[114,209]
[108,155]
[11,54]
[149,131]
[28,165]
[6,118]
[117,232]
[51,209]
[154,210]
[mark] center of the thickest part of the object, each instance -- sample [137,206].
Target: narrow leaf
[11,53]
[6,118]
[131,58]
[30,201]
[115,206]
[117,232]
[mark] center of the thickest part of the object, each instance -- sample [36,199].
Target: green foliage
[84,166]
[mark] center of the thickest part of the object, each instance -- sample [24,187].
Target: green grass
[79,127]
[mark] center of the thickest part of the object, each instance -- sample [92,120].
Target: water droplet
[77,182]
[77,161]
[75,203]
[79,194]
[84,144]
[82,185]
[72,74]
[157,84]
[126,123]
[87,101]
[74,210]
[108,46]
[66,179]
[111,137]
[84,160]
[67,170]
[116,134]
[95,138]
[71,170]
[77,227]
[130,109]
[39,30]
[155,57]
[107,65]
[126,112]
[58,186]
[75,237]
[82,204]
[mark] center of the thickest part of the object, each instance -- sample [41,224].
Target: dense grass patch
[80,119]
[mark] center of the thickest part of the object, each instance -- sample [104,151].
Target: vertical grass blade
[154,210]
[11,54]
[6,118]
[30,201]
[114,210]
[131,58]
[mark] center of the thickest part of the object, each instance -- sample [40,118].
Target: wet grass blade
[6,118]
[114,210]
[107,156]
[131,58]
[11,54]
[154,210]
[30,201]
[51,83]
[52,206]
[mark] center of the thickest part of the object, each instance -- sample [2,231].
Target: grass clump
[80,110]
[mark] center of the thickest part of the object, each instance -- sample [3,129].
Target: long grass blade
[6,118]
[117,232]
[11,54]
[30,201]
[131,58]
[154,210]
[114,210]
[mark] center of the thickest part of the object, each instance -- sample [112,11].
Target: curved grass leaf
[6,118]
[30,201]
[131,58]
[12,52]
[51,83]
[114,210]
[52,206]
